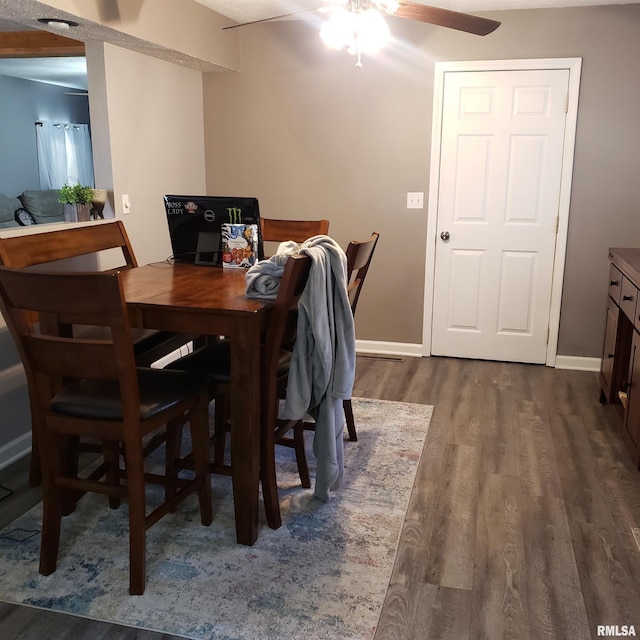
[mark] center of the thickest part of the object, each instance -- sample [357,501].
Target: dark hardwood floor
[520,523]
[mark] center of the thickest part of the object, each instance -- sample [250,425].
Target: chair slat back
[70,358]
[48,246]
[283,321]
[90,298]
[359,255]
[296,230]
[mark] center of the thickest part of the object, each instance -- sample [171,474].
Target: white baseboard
[15,450]
[389,348]
[578,363]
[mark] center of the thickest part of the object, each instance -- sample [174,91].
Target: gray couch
[42,206]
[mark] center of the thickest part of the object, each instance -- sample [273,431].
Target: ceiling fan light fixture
[372,31]
[390,6]
[338,31]
[357,31]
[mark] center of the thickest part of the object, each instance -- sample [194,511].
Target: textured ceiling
[67,72]
[71,72]
[8,25]
[248,10]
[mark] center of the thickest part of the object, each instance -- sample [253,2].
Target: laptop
[195,225]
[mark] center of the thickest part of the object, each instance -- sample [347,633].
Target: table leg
[245,427]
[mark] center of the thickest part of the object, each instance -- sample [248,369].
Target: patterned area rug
[322,575]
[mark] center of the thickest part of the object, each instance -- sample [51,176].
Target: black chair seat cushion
[99,399]
[215,361]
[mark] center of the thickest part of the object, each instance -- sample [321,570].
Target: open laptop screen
[195,225]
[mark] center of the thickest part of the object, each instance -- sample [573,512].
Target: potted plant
[76,199]
[98,202]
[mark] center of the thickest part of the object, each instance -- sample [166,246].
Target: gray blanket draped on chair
[263,278]
[322,367]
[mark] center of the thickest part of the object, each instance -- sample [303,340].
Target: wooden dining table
[210,300]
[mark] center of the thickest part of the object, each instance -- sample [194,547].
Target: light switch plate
[126,205]
[415,200]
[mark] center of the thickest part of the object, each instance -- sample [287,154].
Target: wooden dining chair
[215,360]
[92,387]
[359,254]
[44,249]
[297,230]
[47,247]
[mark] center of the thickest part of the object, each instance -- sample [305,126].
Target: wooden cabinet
[608,353]
[631,431]
[628,297]
[615,283]
[620,369]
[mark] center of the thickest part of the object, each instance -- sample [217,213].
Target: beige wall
[153,113]
[311,135]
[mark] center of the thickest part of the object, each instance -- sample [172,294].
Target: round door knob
[445,235]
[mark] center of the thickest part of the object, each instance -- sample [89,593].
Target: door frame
[574,66]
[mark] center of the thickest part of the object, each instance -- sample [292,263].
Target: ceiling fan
[359,25]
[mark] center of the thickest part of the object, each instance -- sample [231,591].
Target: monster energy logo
[235,215]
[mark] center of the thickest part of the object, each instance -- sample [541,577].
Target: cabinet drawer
[636,322]
[631,431]
[608,378]
[628,297]
[615,284]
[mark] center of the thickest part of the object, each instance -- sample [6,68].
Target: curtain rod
[39,123]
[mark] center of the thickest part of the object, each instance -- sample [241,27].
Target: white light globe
[372,31]
[390,6]
[338,31]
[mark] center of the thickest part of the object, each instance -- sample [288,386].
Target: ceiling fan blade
[284,15]
[446,18]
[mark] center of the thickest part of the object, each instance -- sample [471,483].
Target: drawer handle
[612,355]
[627,298]
[614,283]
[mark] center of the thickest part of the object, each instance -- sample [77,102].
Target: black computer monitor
[195,225]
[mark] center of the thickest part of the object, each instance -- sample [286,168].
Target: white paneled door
[501,155]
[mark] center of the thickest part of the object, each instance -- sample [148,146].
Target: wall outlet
[126,205]
[415,200]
